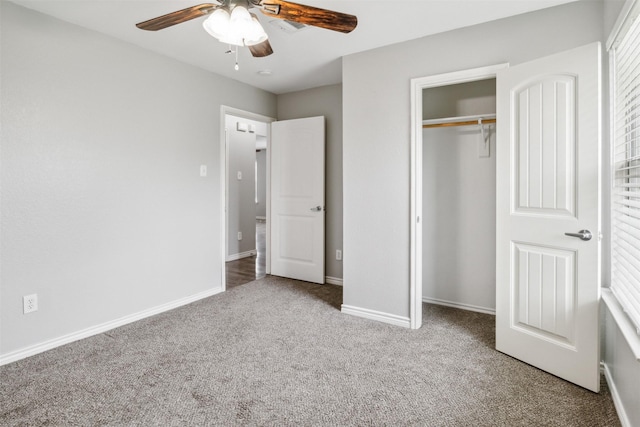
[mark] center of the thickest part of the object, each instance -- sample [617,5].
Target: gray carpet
[279,352]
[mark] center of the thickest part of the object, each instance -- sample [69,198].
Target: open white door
[548,174]
[297,199]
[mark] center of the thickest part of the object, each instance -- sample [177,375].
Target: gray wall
[459,199]
[463,99]
[104,214]
[241,193]
[622,367]
[377,134]
[324,101]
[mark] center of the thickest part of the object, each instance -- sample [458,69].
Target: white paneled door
[297,199]
[548,174]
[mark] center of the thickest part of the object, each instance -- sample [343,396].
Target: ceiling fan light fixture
[238,28]
[256,34]
[240,18]
[217,24]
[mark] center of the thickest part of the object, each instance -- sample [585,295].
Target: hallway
[251,268]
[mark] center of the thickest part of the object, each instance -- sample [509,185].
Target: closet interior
[459,195]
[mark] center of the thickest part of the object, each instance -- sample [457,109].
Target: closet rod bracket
[484,139]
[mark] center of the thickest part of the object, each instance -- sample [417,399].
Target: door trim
[224,111]
[417,86]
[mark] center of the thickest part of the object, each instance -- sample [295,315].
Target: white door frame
[417,86]
[224,111]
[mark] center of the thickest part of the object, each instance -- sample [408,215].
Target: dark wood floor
[251,268]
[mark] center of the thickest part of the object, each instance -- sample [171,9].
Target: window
[625,218]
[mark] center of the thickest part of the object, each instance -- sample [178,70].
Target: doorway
[245,160]
[437,85]
[459,195]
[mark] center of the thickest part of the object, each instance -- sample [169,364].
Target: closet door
[548,176]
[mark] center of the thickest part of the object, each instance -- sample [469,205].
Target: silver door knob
[582,235]
[316,209]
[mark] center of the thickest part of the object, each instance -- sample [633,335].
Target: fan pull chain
[230,50]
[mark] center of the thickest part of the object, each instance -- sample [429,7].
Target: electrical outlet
[338,255]
[203,170]
[239,235]
[30,303]
[239,175]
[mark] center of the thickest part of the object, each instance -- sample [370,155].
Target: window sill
[623,322]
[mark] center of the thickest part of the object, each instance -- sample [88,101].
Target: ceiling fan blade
[177,17]
[261,49]
[310,15]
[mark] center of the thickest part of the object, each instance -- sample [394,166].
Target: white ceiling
[306,59]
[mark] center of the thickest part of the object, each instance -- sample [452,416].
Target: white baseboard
[98,329]
[615,396]
[461,306]
[333,280]
[247,254]
[392,319]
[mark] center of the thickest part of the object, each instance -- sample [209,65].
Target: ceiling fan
[231,22]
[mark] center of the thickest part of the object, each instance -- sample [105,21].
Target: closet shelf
[459,121]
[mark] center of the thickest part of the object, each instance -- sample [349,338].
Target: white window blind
[625,242]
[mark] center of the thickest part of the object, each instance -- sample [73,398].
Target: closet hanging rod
[459,121]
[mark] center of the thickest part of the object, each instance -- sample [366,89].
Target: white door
[548,174]
[297,199]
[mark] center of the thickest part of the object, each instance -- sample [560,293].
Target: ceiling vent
[288,27]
